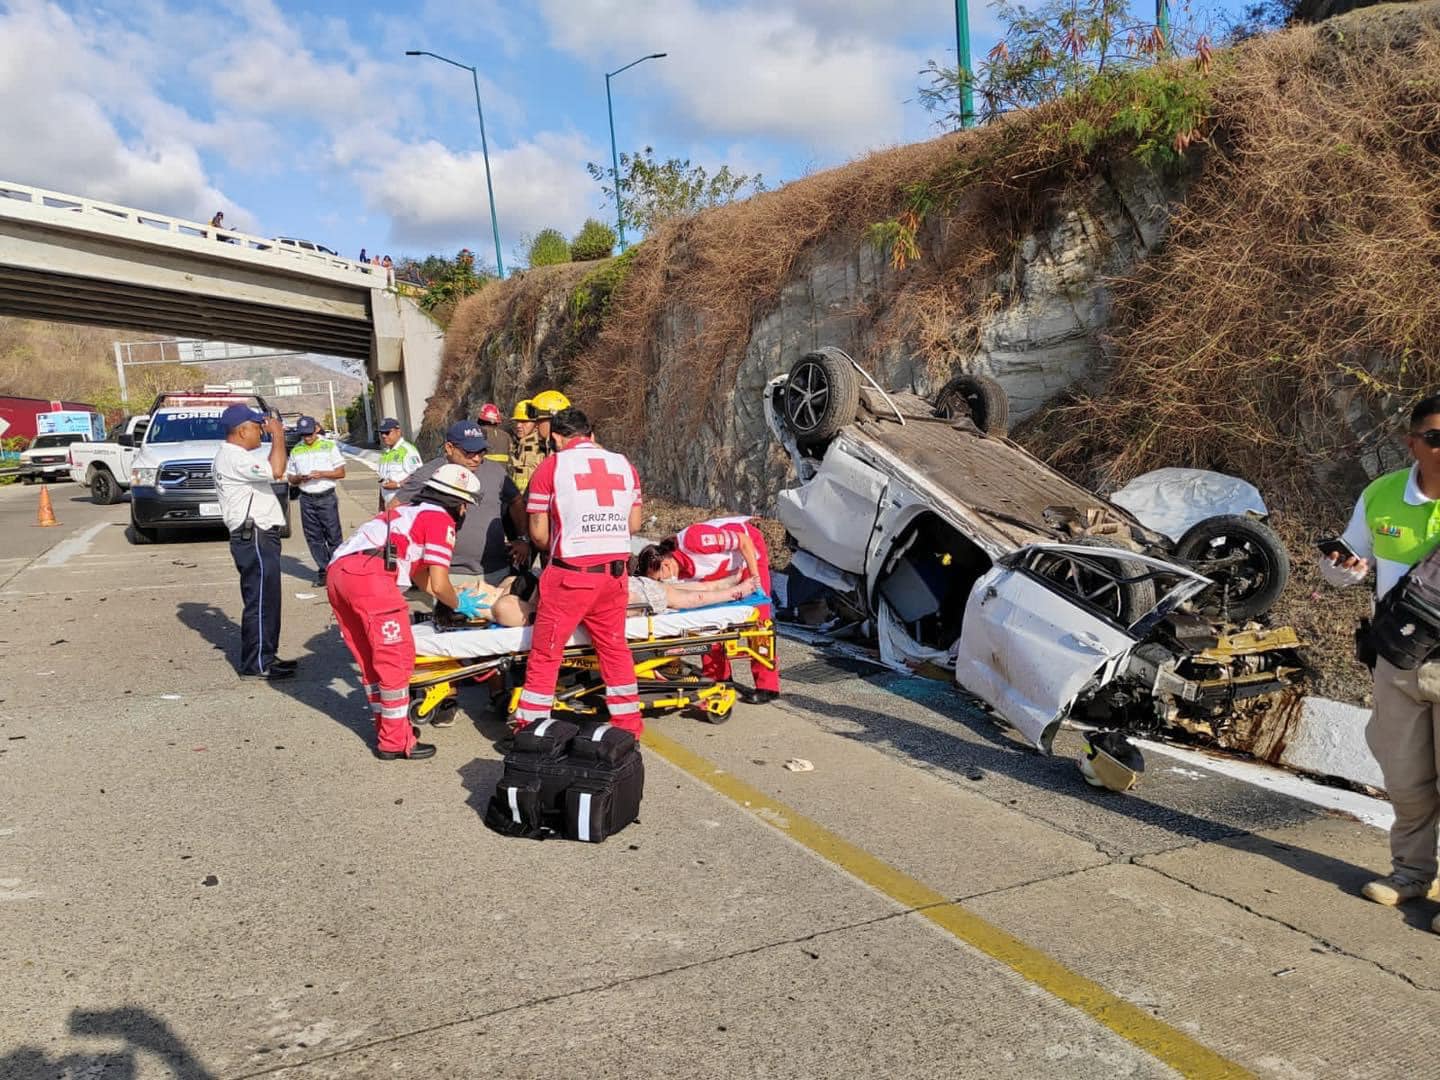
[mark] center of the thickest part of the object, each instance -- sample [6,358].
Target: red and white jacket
[423,535]
[588,493]
[711,550]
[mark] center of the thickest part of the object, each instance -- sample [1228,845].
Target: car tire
[821,396]
[137,534]
[980,398]
[104,491]
[1264,570]
[1135,598]
[27,479]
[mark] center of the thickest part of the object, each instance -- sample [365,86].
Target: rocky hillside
[1231,266]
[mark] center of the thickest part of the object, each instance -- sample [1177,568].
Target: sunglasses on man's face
[1430,438]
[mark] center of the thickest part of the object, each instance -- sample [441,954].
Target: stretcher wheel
[423,709]
[714,717]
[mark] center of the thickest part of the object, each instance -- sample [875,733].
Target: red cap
[489,414]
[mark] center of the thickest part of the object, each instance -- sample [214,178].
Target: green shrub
[595,240]
[547,248]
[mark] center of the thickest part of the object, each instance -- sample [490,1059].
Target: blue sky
[307,119]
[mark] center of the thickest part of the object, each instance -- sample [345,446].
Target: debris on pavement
[799,764]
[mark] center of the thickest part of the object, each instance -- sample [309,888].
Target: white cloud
[747,70]
[432,194]
[91,123]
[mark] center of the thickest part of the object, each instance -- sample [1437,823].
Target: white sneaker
[1395,889]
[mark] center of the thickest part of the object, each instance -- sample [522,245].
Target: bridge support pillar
[404,357]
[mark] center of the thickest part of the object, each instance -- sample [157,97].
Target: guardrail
[95,211]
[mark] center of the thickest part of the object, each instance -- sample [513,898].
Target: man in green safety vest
[1396,524]
[315,465]
[398,459]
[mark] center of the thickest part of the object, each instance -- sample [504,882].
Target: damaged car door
[1052,621]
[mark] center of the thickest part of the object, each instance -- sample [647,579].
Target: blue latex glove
[471,604]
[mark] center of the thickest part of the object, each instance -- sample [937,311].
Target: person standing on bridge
[584,503]
[252,513]
[398,459]
[315,465]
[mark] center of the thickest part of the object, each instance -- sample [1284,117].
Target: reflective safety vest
[1401,532]
[398,461]
[526,453]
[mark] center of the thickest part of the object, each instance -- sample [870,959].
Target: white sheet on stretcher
[500,640]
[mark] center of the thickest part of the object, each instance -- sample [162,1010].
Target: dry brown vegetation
[1301,275]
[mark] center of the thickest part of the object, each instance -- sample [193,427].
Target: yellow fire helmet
[548,403]
[521,410]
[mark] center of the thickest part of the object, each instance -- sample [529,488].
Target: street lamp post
[962,62]
[614,153]
[484,147]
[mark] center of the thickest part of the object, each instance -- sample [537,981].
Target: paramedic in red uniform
[711,551]
[369,605]
[583,504]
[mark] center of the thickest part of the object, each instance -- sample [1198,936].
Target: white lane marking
[78,544]
[1364,808]
[369,458]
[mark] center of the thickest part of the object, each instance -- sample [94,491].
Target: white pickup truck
[104,467]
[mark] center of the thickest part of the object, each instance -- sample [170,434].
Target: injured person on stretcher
[512,601]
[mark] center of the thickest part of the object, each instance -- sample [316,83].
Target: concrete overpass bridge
[67,258]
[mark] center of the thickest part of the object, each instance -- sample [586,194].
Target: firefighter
[315,465]
[404,545]
[497,439]
[711,551]
[397,461]
[525,449]
[543,407]
[584,503]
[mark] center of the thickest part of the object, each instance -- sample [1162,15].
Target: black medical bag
[580,796]
[1406,626]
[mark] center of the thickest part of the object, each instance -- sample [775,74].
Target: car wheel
[821,396]
[103,489]
[137,534]
[27,479]
[1245,559]
[978,397]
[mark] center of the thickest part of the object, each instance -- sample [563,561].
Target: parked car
[959,548]
[48,456]
[104,467]
[304,245]
[171,484]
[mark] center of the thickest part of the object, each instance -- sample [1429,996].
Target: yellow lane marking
[1134,1025]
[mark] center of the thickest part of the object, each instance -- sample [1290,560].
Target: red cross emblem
[601,481]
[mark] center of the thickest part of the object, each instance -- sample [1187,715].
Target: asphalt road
[205,877]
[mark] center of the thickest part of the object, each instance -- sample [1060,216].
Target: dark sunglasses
[1430,438]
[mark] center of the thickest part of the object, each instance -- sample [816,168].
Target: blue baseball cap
[235,415]
[389,424]
[466,434]
[306,425]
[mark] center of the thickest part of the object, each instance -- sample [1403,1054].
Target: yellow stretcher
[666,649]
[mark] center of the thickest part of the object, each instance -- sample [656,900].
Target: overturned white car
[962,550]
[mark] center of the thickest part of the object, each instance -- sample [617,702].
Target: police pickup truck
[104,467]
[171,486]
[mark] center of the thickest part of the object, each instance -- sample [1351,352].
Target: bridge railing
[96,210]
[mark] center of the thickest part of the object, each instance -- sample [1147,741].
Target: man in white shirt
[252,513]
[315,465]
[1395,526]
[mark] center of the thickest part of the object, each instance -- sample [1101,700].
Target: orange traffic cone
[47,512]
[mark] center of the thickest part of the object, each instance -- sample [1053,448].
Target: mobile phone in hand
[1336,545]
